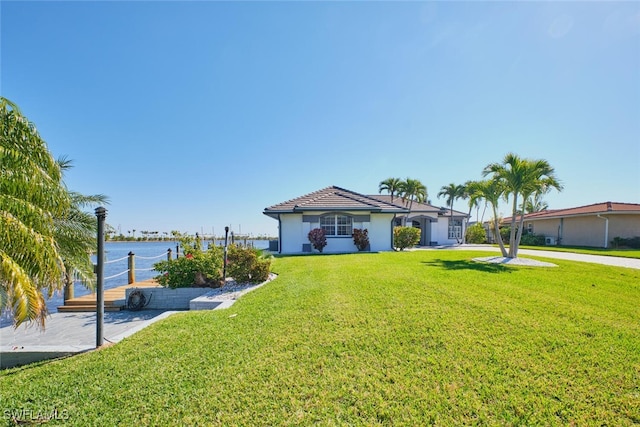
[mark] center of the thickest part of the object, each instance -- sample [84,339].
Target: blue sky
[195,115]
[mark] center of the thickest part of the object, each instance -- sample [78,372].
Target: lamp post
[101,214]
[224,262]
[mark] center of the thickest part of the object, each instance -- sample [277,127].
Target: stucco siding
[583,231]
[626,226]
[440,231]
[380,232]
[295,230]
[291,230]
[546,227]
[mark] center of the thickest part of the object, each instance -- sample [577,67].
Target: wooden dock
[114,299]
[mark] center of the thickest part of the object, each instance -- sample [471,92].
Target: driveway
[596,259]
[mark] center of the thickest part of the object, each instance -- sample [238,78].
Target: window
[337,225]
[530,228]
[455,229]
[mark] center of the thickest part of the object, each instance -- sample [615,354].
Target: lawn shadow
[467,265]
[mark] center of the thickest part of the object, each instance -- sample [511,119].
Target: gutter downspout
[606,230]
[279,235]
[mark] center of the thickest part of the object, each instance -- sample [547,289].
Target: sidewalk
[569,256]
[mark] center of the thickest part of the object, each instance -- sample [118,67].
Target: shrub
[405,237]
[505,233]
[476,234]
[621,242]
[204,268]
[318,238]
[530,239]
[361,239]
[195,268]
[246,265]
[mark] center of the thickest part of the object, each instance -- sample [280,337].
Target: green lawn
[401,338]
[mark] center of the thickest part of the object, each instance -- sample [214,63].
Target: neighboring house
[592,225]
[338,211]
[436,224]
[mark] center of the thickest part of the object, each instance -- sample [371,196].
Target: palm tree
[521,178]
[473,192]
[32,197]
[75,234]
[451,192]
[413,190]
[391,186]
[536,203]
[470,191]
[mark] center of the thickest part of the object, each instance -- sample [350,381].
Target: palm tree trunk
[512,235]
[496,226]
[520,229]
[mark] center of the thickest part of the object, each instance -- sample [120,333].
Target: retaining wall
[167,298]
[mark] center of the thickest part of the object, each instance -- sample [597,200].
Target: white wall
[290,234]
[380,232]
[294,233]
[440,231]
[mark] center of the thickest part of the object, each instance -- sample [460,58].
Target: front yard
[403,338]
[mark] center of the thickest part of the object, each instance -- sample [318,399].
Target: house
[338,211]
[592,225]
[437,225]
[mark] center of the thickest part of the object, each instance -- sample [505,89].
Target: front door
[425,234]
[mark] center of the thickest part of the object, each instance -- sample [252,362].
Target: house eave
[545,217]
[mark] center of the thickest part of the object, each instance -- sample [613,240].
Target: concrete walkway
[569,256]
[67,334]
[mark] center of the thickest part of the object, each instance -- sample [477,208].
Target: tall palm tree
[75,234]
[413,190]
[32,196]
[391,186]
[451,192]
[521,178]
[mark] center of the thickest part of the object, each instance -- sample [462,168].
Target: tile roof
[336,199]
[418,207]
[594,209]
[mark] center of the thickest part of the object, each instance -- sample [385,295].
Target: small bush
[318,238]
[621,242]
[530,239]
[405,237]
[476,234]
[505,233]
[361,239]
[246,266]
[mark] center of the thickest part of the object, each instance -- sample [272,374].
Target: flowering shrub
[197,268]
[361,239]
[405,237]
[204,268]
[318,238]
